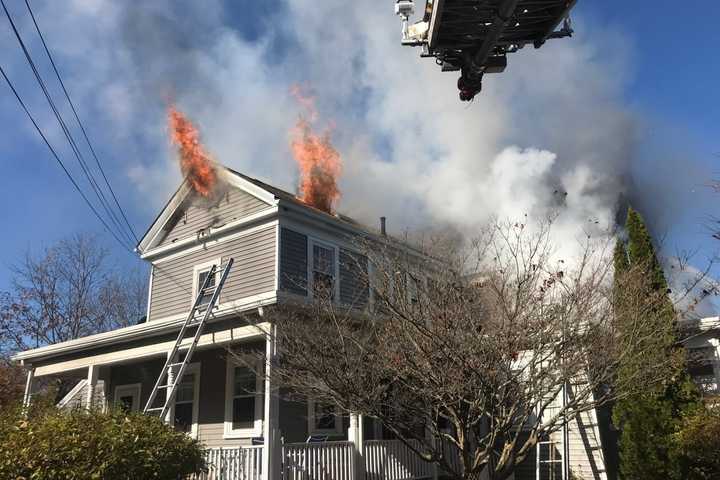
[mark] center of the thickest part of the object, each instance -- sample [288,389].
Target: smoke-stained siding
[234,205]
[253,273]
[293,262]
[353,279]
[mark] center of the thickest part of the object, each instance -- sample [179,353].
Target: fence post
[355,436]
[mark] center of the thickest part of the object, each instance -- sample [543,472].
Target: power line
[77,118]
[57,158]
[68,135]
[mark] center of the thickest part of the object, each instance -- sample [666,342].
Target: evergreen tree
[648,422]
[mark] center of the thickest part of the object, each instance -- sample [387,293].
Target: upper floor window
[200,274]
[324,270]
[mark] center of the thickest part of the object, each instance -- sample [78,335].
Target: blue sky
[642,76]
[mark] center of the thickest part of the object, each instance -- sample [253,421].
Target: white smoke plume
[552,134]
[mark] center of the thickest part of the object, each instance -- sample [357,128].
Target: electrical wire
[59,161]
[68,135]
[80,124]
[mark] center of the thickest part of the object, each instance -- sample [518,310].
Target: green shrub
[54,445]
[699,445]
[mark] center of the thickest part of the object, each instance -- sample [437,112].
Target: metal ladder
[173,370]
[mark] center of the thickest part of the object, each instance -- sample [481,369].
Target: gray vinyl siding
[293,262]
[188,220]
[353,279]
[253,273]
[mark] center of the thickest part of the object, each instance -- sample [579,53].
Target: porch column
[28,387]
[357,437]
[91,384]
[715,342]
[272,448]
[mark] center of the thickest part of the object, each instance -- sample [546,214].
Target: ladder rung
[155,409]
[170,385]
[175,364]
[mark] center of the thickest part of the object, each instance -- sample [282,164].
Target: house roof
[268,193]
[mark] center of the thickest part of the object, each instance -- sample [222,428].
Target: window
[200,273]
[323,270]
[185,409]
[243,402]
[323,418]
[127,397]
[549,458]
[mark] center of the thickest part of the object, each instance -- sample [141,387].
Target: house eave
[136,332]
[211,234]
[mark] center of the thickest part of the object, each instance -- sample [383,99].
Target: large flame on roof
[319,163]
[195,163]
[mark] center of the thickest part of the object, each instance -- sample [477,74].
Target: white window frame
[256,429]
[200,268]
[135,389]
[193,368]
[311,260]
[312,428]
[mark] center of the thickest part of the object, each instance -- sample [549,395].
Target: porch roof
[131,334]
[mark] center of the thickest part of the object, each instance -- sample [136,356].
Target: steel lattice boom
[475,36]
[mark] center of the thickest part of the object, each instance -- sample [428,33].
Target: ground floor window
[185,410]
[323,418]
[243,401]
[127,397]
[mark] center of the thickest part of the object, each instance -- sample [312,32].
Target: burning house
[233,246]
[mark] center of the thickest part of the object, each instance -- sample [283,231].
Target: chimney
[382,226]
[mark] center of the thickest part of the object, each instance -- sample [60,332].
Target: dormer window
[200,273]
[324,270]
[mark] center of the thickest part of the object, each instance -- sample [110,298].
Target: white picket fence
[233,463]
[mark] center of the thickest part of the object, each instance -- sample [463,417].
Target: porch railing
[318,461]
[393,460]
[382,460]
[233,463]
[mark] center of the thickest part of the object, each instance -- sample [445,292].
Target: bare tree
[68,291]
[472,357]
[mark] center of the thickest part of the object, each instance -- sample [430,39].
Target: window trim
[313,430]
[336,267]
[197,270]
[256,430]
[137,390]
[195,369]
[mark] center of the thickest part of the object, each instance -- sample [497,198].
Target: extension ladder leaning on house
[174,368]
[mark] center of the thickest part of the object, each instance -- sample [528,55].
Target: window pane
[185,389]
[183,417]
[324,417]
[323,260]
[244,381]
[243,412]
[125,403]
[201,280]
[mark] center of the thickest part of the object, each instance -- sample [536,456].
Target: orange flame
[195,163]
[320,164]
